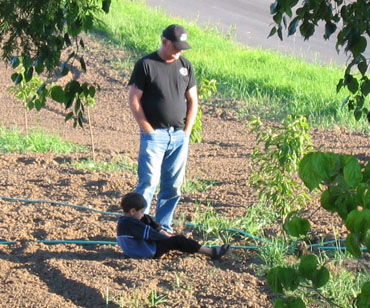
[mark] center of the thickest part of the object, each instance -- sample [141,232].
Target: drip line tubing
[87,242]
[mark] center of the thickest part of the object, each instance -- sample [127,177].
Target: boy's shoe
[218,252]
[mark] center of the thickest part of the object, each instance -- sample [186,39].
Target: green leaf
[65,69]
[68,116]
[274,281]
[351,219]
[328,201]
[73,87]
[293,26]
[14,62]
[367,241]
[352,172]
[28,74]
[363,299]
[321,277]
[353,245]
[359,46]
[279,304]
[362,222]
[92,91]
[329,29]
[316,167]
[39,104]
[18,79]
[308,266]
[307,29]
[294,302]
[57,93]
[353,85]
[106,5]
[83,64]
[14,77]
[272,32]
[365,87]
[289,278]
[296,226]
[362,67]
[39,66]
[27,62]
[67,39]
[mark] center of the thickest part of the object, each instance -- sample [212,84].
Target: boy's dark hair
[132,200]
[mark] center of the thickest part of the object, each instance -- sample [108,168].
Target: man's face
[171,51]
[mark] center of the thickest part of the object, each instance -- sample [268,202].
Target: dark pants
[177,242]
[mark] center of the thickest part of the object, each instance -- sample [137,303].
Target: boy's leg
[177,242]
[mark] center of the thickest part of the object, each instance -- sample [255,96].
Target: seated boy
[141,237]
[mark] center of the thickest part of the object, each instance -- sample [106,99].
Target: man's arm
[134,97]
[192,101]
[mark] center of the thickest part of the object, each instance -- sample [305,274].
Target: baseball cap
[177,35]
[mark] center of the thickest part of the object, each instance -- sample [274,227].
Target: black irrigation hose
[88,242]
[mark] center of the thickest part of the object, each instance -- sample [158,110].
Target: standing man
[163,99]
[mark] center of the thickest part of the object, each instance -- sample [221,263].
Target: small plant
[121,165]
[276,163]
[347,194]
[25,90]
[12,141]
[206,90]
[156,299]
[213,227]
[197,185]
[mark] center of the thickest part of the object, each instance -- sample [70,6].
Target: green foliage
[352,20]
[263,82]
[156,299]
[213,227]
[207,88]
[363,299]
[346,186]
[276,162]
[25,91]
[296,226]
[12,141]
[289,278]
[34,34]
[120,165]
[196,185]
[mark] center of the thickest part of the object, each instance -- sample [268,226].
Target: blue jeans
[162,160]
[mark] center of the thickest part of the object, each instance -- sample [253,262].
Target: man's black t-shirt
[164,86]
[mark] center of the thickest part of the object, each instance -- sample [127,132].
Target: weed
[197,185]
[121,165]
[12,141]
[156,299]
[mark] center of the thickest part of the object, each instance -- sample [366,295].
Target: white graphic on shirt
[183,71]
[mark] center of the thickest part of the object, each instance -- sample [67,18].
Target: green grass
[270,85]
[196,185]
[13,141]
[121,165]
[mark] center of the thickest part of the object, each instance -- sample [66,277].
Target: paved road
[252,21]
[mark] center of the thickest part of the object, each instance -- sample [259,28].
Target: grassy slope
[270,84]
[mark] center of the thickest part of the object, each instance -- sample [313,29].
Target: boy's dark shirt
[137,238]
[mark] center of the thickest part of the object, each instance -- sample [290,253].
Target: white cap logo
[183,37]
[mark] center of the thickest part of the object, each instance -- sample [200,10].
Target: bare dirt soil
[34,274]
